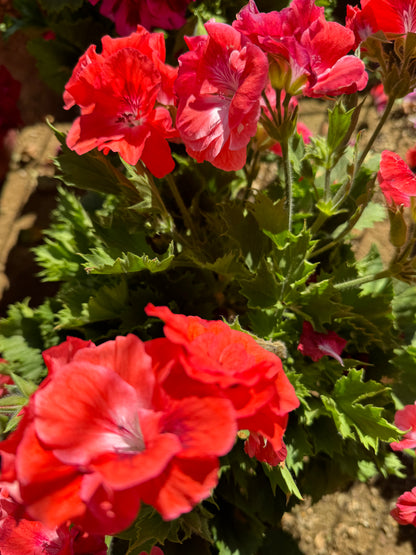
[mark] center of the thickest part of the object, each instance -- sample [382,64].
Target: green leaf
[262,291]
[26,387]
[370,320]
[353,418]
[290,260]
[22,359]
[405,384]
[404,309]
[281,476]
[70,233]
[100,262]
[92,171]
[339,121]
[270,216]
[150,529]
[54,60]
[14,402]
[320,302]
[243,230]
[108,303]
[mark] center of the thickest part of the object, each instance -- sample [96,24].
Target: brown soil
[352,522]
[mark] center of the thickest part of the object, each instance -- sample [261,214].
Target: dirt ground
[352,522]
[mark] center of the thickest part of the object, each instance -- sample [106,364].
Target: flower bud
[398,227]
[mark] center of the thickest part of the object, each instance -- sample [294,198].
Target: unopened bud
[398,227]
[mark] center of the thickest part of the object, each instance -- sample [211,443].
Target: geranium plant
[216,350]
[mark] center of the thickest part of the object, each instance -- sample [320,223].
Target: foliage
[264,255]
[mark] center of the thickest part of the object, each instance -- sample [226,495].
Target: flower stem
[362,280]
[376,131]
[287,170]
[181,205]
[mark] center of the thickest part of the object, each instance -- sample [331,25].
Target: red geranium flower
[397,181]
[120,93]
[232,365]
[389,16]
[20,535]
[316,345]
[361,22]
[257,446]
[102,435]
[405,509]
[405,419]
[312,53]
[219,86]
[127,14]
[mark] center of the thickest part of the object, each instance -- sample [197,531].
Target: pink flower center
[408,19]
[225,79]
[128,437]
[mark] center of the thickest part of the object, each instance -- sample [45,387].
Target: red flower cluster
[20,535]
[127,14]
[127,421]
[310,52]
[124,94]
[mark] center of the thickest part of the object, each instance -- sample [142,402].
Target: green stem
[376,132]
[327,186]
[181,205]
[362,280]
[287,170]
[318,223]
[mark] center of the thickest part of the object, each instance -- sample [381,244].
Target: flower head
[316,345]
[219,86]
[396,179]
[19,534]
[312,52]
[405,510]
[405,419]
[389,16]
[102,434]
[121,93]
[209,354]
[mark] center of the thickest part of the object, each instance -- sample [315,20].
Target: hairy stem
[362,280]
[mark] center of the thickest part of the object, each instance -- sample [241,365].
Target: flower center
[127,436]
[130,112]
[225,79]
[408,19]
